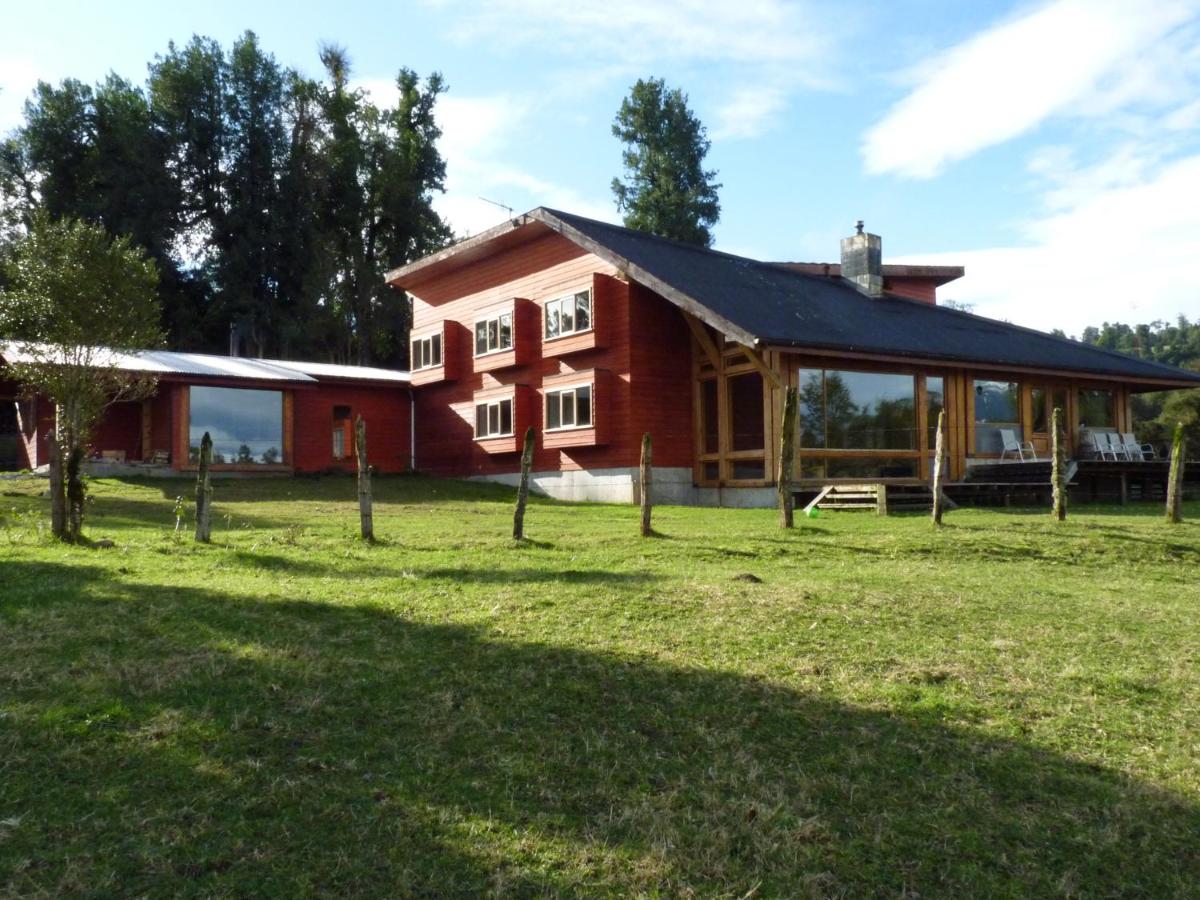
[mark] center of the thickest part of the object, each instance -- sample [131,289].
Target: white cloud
[757,52]
[1123,253]
[1074,57]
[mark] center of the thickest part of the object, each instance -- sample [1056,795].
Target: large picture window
[494,334]
[1096,409]
[857,410]
[997,408]
[569,315]
[494,419]
[427,352]
[569,408]
[246,426]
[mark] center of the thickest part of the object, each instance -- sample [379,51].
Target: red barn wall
[386,410]
[120,429]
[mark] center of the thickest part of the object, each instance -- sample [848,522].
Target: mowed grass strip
[1005,708]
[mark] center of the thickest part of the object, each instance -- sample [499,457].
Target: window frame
[487,321]
[496,403]
[427,340]
[572,389]
[575,330]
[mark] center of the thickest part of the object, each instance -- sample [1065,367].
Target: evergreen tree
[666,189]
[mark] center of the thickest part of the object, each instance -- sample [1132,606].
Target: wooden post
[881,500]
[523,489]
[58,493]
[204,492]
[1058,465]
[787,455]
[939,468]
[366,521]
[1175,481]
[645,477]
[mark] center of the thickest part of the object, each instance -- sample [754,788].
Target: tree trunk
[1058,466]
[75,492]
[58,494]
[939,468]
[366,522]
[523,489]
[645,478]
[1175,481]
[204,492]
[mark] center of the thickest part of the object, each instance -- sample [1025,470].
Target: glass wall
[857,410]
[746,412]
[246,426]
[1096,409]
[997,407]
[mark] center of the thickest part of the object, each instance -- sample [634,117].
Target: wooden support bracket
[704,339]
[761,364]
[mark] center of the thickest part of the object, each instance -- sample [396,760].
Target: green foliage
[666,189]
[272,203]
[72,295]
[1006,707]
[1176,344]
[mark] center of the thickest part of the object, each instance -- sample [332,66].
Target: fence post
[366,518]
[787,455]
[523,489]
[1058,466]
[204,492]
[645,480]
[939,468]
[1175,481]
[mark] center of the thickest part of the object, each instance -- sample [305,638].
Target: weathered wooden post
[787,456]
[1058,465]
[204,492]
[1175,480]
[645,477]
[523,488]
[366,519]
[939,468]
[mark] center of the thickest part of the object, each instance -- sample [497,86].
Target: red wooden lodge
[593,334]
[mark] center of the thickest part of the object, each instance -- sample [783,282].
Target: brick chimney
[862,261]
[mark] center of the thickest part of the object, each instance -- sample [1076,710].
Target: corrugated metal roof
[170,362]
[332,370]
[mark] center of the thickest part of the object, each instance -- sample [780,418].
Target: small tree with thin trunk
[1175,478]
[76,299]
[1058,467]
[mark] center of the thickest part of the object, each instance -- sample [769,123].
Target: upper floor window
[569,315]
[494,419]
[569,408]
[427,352]
[494,334]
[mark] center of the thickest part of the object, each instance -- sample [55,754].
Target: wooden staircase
[881,497]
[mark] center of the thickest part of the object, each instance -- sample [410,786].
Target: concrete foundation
[671,486]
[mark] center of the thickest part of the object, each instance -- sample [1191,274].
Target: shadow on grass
[163,739]
[545,575]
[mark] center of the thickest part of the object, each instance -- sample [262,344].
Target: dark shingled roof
[770,305]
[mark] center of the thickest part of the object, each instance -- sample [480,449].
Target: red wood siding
[639,349]
[923,289]
[120,430]
[386,410]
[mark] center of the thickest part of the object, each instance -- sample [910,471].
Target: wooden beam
[703,338]
[759,363]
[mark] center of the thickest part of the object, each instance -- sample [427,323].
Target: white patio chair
[1009,439]
[1100,446]
[1138,451]
[1117,445]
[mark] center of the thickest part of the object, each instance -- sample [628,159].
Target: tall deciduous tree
[74,295]
[666,190]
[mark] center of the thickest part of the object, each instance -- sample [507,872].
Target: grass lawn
[862,707]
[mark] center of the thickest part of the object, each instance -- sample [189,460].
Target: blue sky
[1053,148]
